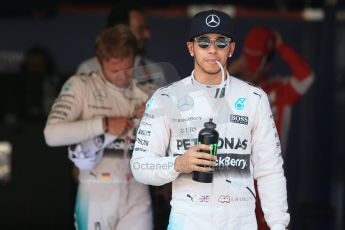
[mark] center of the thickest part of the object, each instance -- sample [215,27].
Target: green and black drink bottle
[207,136]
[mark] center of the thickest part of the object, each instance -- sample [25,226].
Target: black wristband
[106,122]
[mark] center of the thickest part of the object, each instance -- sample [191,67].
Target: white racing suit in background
[108,197]
[248,148]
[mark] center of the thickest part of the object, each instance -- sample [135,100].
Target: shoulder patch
[149,102]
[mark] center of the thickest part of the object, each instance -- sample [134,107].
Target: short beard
[212,73]
[208,72]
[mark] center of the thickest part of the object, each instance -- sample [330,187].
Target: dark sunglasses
[220,42]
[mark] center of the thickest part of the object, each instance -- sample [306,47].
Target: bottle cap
[210,124]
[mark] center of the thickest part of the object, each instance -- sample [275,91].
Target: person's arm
[63,126]
[302,75]
[267,166]
[149,162]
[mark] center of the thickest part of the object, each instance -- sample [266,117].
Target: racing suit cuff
[97,126]
[171,162]
[278,227]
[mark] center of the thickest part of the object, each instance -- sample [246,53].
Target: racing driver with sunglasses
[167,148]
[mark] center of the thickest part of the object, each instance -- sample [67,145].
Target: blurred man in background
[148,74]
[96,115]
[260,46]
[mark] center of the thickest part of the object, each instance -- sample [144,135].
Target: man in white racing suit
[147,73]
[96,114]
[248,146]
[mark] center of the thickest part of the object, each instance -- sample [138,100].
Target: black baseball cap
[211,21]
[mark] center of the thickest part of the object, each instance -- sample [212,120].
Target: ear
[190,48]
[232,48]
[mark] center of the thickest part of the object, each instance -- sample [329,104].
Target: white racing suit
[108,197]
[248,148]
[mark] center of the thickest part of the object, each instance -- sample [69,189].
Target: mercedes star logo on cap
[212,20]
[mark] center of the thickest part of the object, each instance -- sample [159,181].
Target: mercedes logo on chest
[185,103]
[212,20]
